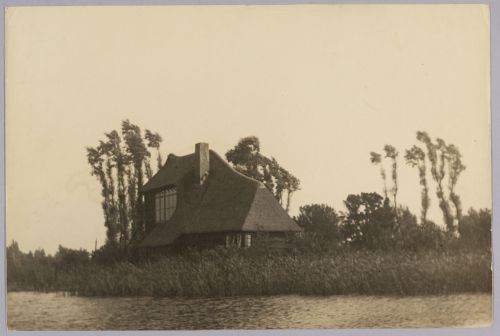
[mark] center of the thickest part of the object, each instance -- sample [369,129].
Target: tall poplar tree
[436,152]
[445,159]
[154,141]
[376,159]
[415,157]
[121,165]
[139,155]
[392,153]
[455,168]
[96,161]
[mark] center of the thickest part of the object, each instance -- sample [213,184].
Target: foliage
[475,229]
[121,163]
[39,271]
[107,254]
[311,243]
[455,168]
[247,159]
[392,153]
[408,229]
[424,237]
[445,158]
[66,258]
[154,141]
[321,222]
[30,269]
[415,157]
[376,159]
[370,222]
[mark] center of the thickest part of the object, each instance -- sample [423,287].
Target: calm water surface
[55,311]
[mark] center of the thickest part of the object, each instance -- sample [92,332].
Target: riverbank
[219,273]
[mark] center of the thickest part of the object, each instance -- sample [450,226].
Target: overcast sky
[321,86]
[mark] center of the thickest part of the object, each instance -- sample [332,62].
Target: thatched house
[200,200]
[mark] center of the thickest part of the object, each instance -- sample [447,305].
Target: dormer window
[165,203]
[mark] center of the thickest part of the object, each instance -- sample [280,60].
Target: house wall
[149,211]
[200,241]
[271,240]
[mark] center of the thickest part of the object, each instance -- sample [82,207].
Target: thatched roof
[226,201]
[172,172]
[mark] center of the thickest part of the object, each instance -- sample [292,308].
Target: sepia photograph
[248,167]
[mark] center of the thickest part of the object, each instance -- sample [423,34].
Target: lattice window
[165,203]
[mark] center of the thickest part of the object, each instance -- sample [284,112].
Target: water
[55,311]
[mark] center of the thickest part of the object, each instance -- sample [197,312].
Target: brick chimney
[201,162]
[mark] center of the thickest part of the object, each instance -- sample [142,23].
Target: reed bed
[226,273]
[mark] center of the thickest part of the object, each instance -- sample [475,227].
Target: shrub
[320,222]
[370,222]
[475,229]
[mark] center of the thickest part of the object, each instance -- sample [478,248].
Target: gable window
[165,203]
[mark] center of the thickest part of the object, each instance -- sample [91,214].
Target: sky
[321,86]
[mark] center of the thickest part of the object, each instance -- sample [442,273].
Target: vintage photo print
[199,167]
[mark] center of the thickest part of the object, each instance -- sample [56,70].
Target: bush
[475,229]
[107,254]
[320,222]
[370,222]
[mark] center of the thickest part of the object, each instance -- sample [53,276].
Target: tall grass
[229,273]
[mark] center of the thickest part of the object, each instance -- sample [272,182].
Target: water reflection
[54,311]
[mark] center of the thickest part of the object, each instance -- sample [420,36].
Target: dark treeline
[40,271]
[371,223]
